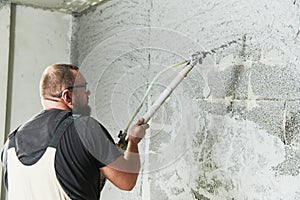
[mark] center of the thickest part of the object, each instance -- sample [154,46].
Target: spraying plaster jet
[196,58]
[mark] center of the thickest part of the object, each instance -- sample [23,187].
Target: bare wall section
[40,38]
[31,39]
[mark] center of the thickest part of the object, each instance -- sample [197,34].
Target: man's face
[81,96]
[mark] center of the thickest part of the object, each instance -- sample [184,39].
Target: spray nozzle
[198,57]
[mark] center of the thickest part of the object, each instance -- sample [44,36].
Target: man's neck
[49,104]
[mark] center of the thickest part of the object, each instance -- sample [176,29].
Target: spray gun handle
[123,142]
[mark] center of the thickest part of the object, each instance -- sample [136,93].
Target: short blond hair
[56,78]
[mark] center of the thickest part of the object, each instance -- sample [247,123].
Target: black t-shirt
[85,147]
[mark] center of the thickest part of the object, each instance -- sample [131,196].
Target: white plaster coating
[111,18]
[238,165]
[244,155]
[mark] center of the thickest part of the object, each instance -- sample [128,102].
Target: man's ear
[67,97]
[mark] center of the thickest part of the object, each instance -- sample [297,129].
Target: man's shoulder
[86,123]
[90,129]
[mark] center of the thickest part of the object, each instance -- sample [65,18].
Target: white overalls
[37,181]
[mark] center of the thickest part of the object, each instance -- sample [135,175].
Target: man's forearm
[132,156]
[124,171]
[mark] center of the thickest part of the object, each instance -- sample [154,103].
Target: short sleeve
[97,140]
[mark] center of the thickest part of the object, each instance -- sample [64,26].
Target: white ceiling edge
[67,6]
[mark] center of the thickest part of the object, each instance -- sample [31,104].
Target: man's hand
[137,132]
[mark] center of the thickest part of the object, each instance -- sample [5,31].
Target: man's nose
[88,93]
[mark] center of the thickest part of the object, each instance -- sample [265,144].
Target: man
[62,153]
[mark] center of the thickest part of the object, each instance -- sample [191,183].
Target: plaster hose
[196,58]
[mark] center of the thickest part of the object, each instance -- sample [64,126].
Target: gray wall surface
[231,129]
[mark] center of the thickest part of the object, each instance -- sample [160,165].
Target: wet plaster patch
[237,160]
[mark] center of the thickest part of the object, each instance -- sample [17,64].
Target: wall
[31,39]
[231,129]
[39,42]
[4,59]
[4,72]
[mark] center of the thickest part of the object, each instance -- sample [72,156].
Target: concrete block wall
[231,129]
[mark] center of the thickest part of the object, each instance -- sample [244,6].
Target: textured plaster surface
[231,129]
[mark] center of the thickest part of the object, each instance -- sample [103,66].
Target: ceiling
[67,6]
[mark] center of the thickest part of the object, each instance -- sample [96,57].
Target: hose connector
[123,142]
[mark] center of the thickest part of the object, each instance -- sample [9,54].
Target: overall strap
[11,137]
[61,130]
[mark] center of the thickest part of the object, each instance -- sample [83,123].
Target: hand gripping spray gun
[196,58]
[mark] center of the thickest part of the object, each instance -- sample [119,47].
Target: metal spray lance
[196,58]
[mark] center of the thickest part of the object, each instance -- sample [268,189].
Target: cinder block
[269,115]
[272,82]
[292,122]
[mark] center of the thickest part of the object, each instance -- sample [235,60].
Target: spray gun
[196,58]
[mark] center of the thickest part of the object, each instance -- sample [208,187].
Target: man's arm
[124,171]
